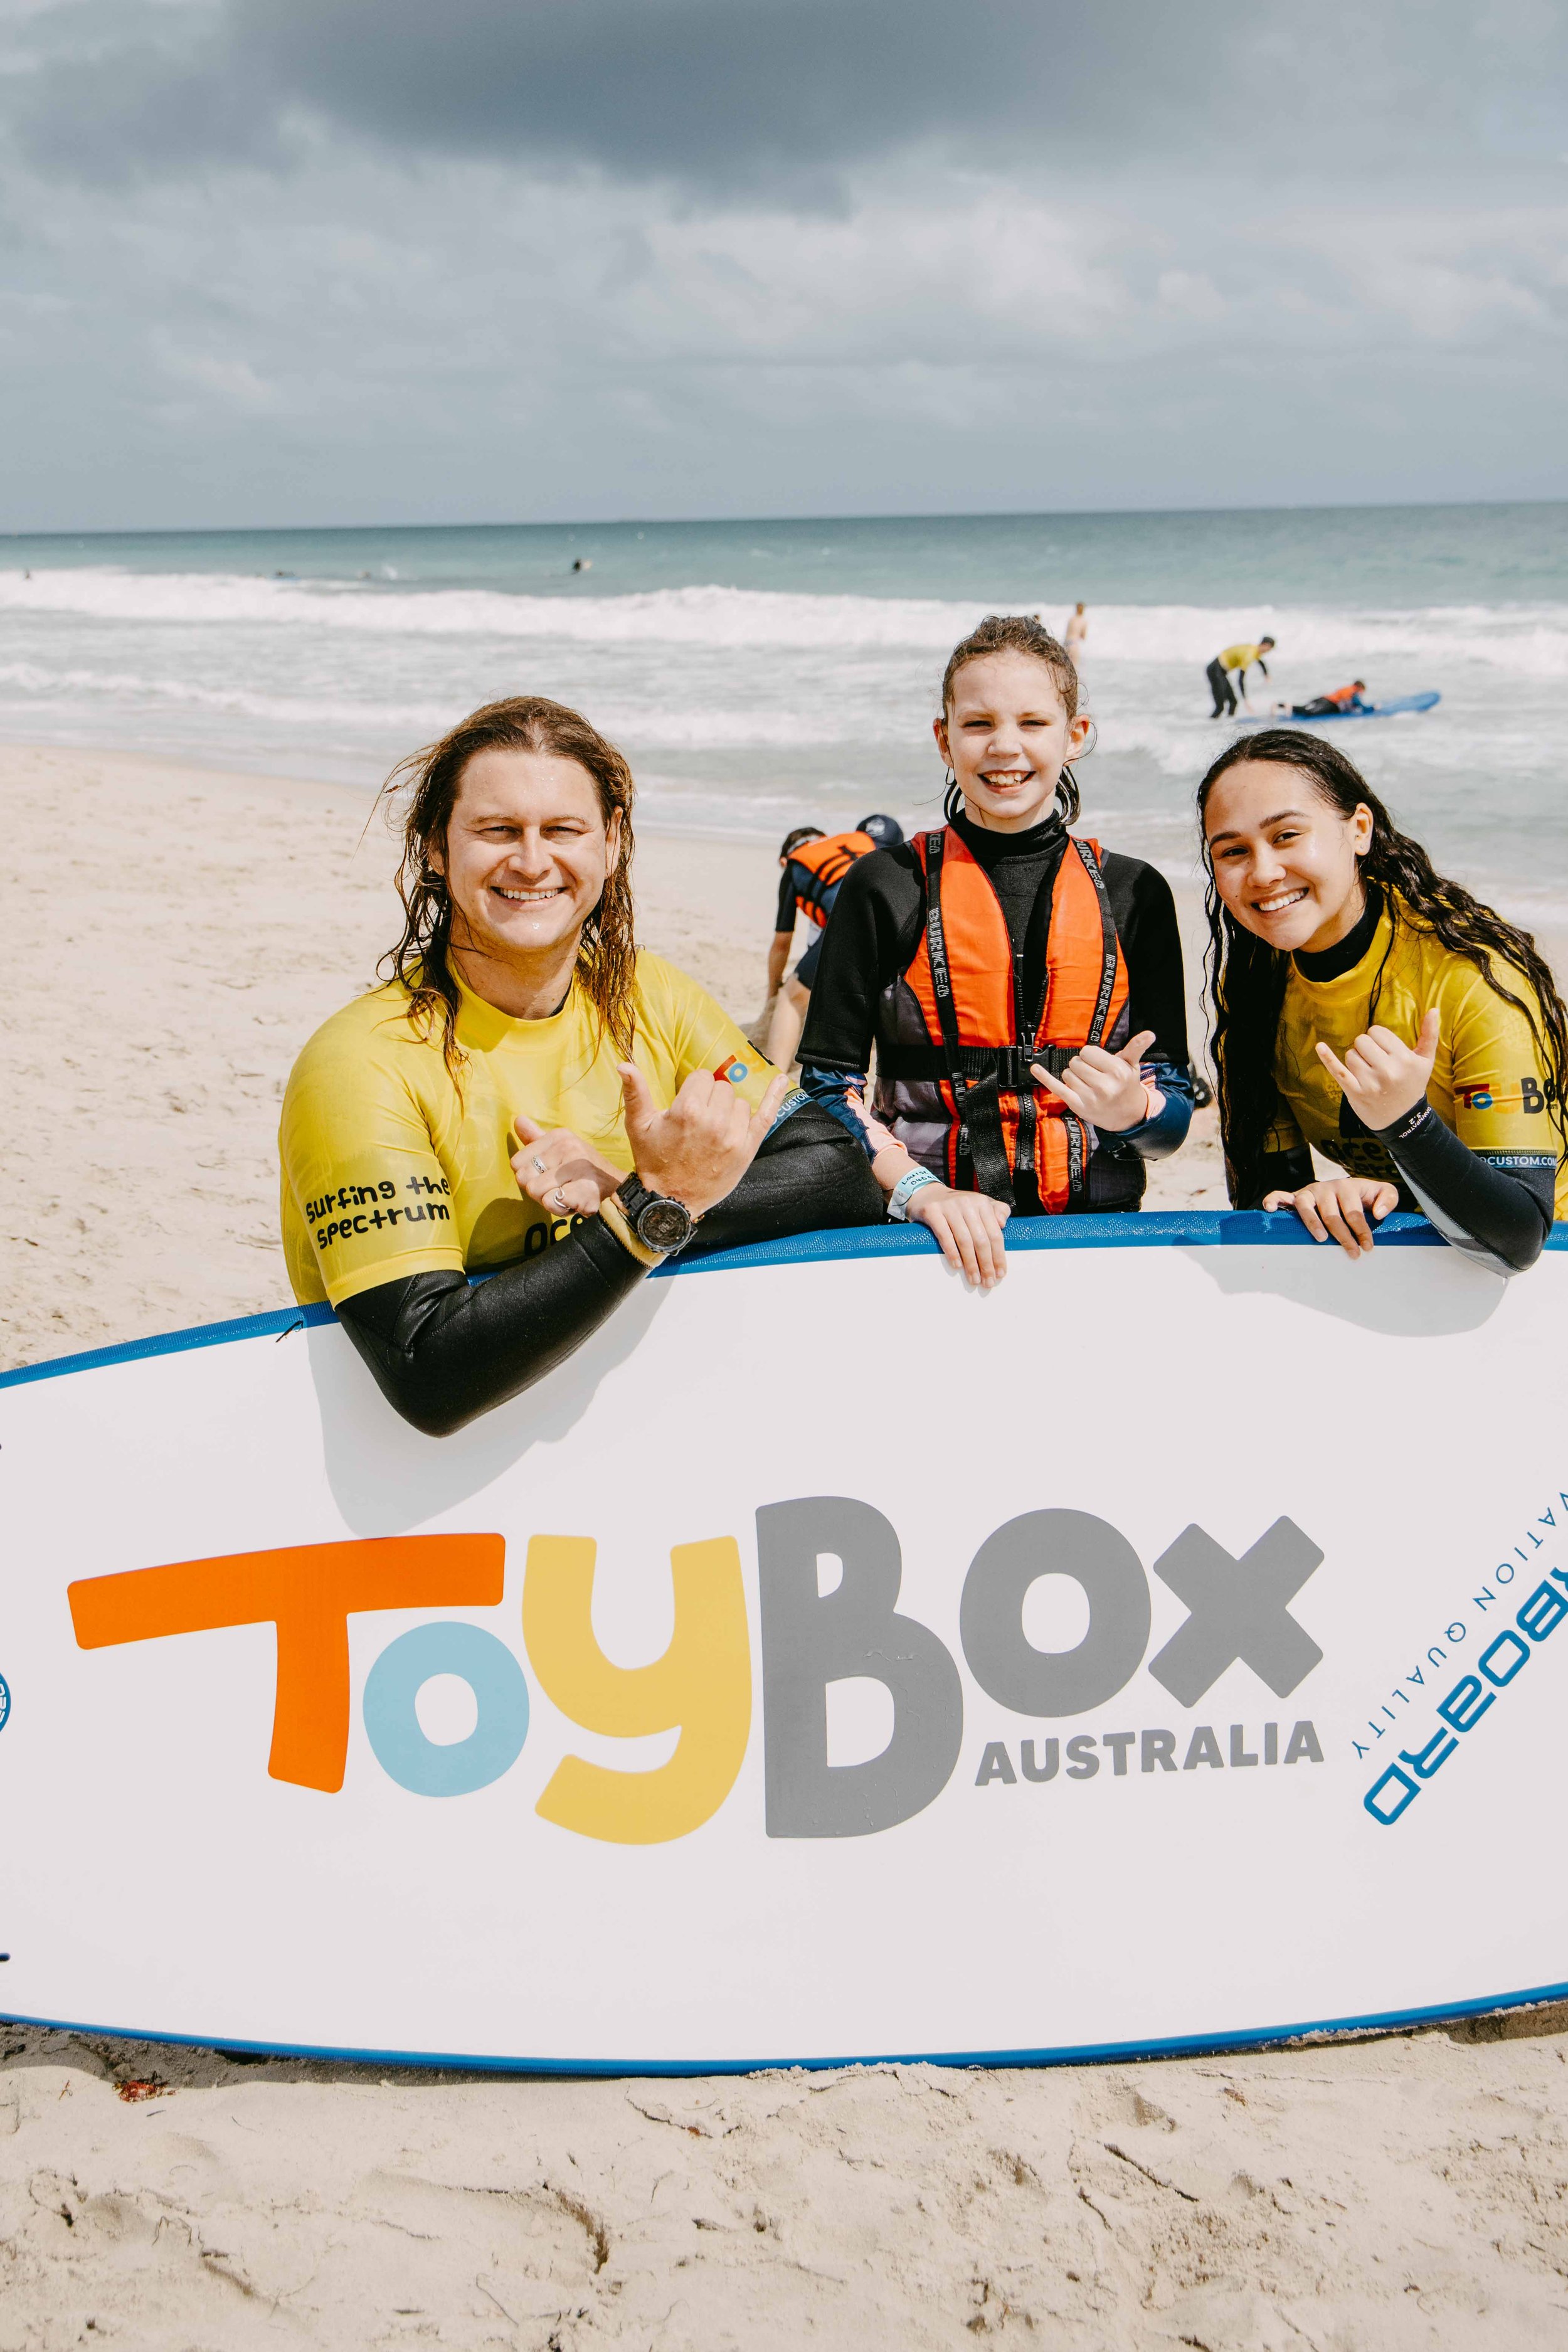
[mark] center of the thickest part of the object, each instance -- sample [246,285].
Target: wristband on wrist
[1399,1129]
[904,1191]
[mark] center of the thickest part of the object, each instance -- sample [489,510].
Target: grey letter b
[811,1639]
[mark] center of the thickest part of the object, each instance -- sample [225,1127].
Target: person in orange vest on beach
[1022,987]
[814,865]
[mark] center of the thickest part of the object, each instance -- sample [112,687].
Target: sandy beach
[175,934]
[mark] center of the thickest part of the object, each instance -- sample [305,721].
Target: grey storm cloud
[741,95]
[427,260]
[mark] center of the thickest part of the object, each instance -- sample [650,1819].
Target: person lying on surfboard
[1370,1009]
[1022,987]
[530,1095]
[1327,705]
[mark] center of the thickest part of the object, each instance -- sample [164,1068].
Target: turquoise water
[762,674]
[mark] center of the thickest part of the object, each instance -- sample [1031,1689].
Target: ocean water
[763,674]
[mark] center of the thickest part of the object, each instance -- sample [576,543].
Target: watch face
[665,1224]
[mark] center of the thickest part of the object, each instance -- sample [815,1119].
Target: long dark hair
[1247,976]
[423,791]
[1017,632]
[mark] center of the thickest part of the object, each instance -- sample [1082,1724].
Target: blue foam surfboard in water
[1378,710]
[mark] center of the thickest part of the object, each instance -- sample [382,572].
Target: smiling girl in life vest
[1370,1008]
[1022,987]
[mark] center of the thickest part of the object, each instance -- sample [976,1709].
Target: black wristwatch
[658,1223]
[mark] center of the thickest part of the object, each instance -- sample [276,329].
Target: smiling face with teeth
[1006,736]
[525,859]
[1286,864]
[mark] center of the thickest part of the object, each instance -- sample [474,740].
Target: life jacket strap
[1010,1066]
[980,1143]
[976,1094]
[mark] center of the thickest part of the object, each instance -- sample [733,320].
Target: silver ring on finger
[539,1164]
[559,1197]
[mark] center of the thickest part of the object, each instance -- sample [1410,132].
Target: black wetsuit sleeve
[1145,912]
[785,919]
[873,934]
[443,1351]
[1495,1206]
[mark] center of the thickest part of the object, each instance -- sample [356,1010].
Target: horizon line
[763,521]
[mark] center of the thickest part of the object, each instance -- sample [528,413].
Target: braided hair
[1245,976]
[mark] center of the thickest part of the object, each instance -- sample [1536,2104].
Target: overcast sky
[296,261]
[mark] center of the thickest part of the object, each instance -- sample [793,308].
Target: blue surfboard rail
[1154,1229]
[1401,706]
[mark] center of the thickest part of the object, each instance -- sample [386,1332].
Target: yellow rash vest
[1489,1084]
[392,1167]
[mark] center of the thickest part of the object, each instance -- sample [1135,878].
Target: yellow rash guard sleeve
[701,1036]
[1488,1085]
[392,1165]
[366,1196]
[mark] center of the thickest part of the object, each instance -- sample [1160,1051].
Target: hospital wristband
[904,1191]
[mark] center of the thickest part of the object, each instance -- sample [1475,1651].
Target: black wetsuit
[1496,1206]
[442,1349]
[876,929]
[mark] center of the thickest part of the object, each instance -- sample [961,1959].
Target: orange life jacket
[827,861]
[953,1051]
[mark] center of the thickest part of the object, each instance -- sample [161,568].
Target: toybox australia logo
[1237,1611]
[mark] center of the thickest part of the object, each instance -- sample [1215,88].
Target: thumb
[640,1107]
[767,1110]
[527,1130]
[1431,1031]
[1132,1053]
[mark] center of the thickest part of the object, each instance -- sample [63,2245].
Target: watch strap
[636,1197]
[620,1225]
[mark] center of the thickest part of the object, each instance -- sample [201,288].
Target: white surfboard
[825,1664]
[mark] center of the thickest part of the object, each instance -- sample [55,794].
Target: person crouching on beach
[1022,987]
[530,1095]
[1368,1007]
[813,864]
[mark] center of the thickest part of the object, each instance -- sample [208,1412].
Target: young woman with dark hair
[528,1095]
[1368,1007]
[1022,988]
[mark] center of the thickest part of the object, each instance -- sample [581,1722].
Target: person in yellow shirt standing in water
[1235,661]
[1370,1009]
[529,1096]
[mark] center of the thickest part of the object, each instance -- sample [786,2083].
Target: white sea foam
[747,709]
[1528,640]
